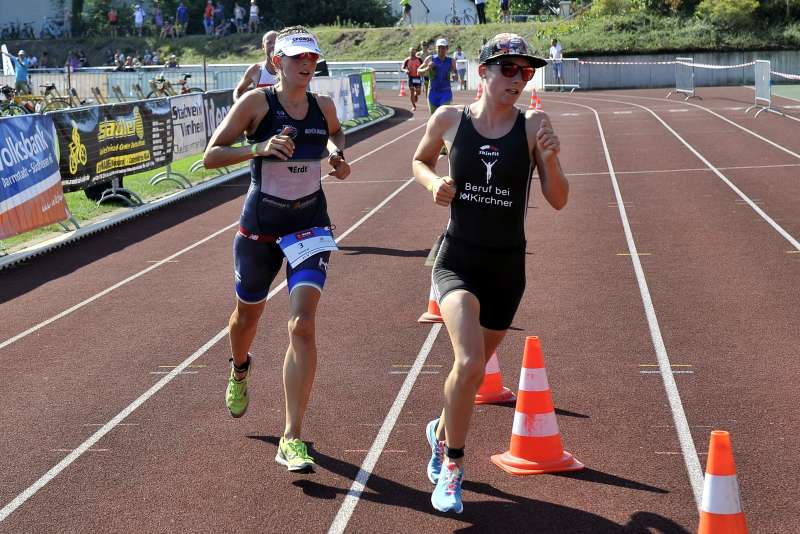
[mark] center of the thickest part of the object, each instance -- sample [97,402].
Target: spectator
[254,20]
[406,17]
[208,18]
[113,19]
[21,65]
[73,63]
[556,59]
[461,67]
[172,62]
[181,19]
[44,61]
[219,14]
[148,55]
[168,30]
[82,59]
[505,11]
[225,28]
[238,16]
[158,18]
[156,58]
[480,5]
[138,19]
[129,66]
[34,62]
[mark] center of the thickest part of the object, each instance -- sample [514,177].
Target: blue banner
[357,95]
[31,194]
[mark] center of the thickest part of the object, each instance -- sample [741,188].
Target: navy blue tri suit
[483,251]
[283,197]
[440,92]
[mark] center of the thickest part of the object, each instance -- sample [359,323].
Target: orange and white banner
[31,194]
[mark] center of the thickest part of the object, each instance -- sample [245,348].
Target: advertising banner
[188,125]
[217,104]
[367,79]
[102,142]
[30,184]
[357,95]
[338,89]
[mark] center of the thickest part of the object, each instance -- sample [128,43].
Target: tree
[727,13]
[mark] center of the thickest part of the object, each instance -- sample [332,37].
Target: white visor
[295,44]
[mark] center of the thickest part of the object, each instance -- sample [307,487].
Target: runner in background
[289,130]
[461,67]
[479,274]
[410,66]
[440,68]
[422,54]
[259,74]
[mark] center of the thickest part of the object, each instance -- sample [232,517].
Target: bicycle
[53,101]
[51,29]
[8,105]
[454,19]
[162,87]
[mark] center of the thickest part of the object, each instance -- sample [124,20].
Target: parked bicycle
[160,86]
[454,19]
[8,105]
[17,30]
[51,28]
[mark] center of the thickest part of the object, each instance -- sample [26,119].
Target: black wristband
[338,152]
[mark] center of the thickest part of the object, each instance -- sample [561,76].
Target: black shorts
[495,277]
[414,81]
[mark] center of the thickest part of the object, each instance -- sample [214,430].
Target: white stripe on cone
[538,425]
[432,294]
[492,366]
[721,495]
[533,380]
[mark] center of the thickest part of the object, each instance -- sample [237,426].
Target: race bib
[299,246]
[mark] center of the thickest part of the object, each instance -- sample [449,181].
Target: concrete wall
[593,76]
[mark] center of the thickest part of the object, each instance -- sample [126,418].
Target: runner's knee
[302,326]
[469,370]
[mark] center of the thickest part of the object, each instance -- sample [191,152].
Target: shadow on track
[21,278]
[379,251]
[513,513]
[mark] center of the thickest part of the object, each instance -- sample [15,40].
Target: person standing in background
[505,11]
[461,67]
[181,19]
[557,59]
[480,5]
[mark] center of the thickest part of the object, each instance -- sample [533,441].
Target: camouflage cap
[509,45]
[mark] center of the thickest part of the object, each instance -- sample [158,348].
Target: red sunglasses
[510,70]
[311,56]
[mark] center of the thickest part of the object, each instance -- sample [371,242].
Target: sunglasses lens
[510,70]
[308,55]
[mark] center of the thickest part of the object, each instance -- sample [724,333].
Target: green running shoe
[294,455]
[236,398]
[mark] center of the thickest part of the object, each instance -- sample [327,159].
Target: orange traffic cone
[535,441]
[721,509]
[480,91]
[536,102]
[433,315]
[402,88]
[492,390]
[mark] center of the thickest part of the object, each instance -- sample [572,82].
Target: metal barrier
[684,77]
[763,79]
[570,75]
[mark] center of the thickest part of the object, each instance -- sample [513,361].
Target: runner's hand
[444,191]
[280,146]
[341,169]
[547,140]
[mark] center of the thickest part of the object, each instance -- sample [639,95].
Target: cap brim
[297,50]
[535,62]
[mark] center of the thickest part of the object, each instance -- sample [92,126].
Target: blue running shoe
[447,495]
[437,451]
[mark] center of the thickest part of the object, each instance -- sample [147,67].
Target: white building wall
[30,11]
[439,9]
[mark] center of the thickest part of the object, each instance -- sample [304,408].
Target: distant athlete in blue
[479,274]
[289,133]
[440,69]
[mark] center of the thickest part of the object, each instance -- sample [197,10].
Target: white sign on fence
[8,67]
[339,90]
[188,124]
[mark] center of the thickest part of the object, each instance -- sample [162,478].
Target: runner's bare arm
[245,82]
[424,164]
[426,65]
[545,150]
[244,116]
[336,139]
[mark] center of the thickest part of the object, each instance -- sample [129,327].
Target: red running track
[721,283]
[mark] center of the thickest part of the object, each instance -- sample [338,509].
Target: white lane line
[628,112]
[360,483]
[168,259]
[754,134]
[690,457]
[778,228]
[105,429]
[693,169]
